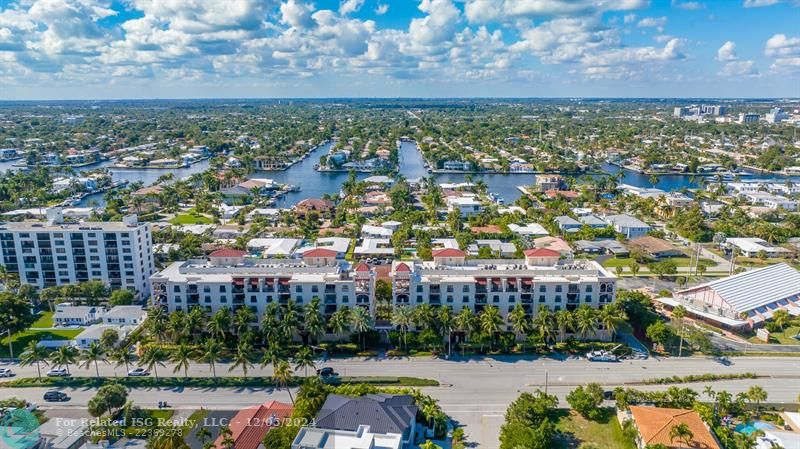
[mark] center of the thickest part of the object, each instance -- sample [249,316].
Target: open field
[577,431]
[20,340]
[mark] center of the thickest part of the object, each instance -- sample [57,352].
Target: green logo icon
[19,429]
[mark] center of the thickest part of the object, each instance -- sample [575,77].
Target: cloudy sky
[71,49]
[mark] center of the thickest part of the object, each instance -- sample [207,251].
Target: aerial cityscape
[433,224]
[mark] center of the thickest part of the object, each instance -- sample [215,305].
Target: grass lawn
[20,340]
[45,320]
[679,262]
[785,337]
[190,219]
[577,431]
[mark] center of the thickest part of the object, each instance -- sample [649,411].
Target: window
[449,298]
[449,289]
[419,289]
[512,298]
[314,289]
[558,298]
[543,289]
[588,289]
[298,289]
[345,298]
[223,299]
[541,298]
[496,298]
[222,289]
[465,289]
[558,289]
[176,288]
[345,288]
[419,298]
[465,299]
[206,289]
[588,298]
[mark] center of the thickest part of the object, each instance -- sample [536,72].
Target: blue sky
[74,49]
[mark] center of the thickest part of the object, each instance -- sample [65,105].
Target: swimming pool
[749,428]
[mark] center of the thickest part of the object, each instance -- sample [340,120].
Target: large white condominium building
[228,278]
[542,278]
[53,253]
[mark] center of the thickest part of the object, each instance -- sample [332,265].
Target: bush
[586,401]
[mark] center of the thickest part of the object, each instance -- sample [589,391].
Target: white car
[58,372]
[6,372]
[138,372]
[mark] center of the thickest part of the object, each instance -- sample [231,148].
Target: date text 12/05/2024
[165,426]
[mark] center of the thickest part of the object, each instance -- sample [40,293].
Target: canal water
[314,184]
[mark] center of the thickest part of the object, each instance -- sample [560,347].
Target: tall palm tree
[544,323]
[490,322]
[304,358]
[757,395]
[243,357]
[682,433]
[362,322]
[402,317]
[424,316]
[92,355]
[564,323]
[445,319]
[313,320]
[122,356]
[609,317]
[518,318]
[585,321]
[282,375]
[157,320]
[211,353]
[340,321]
[182,357]
[465,323]
[242,319]
[220,323]
[34,354]
[152,358]
[64,356]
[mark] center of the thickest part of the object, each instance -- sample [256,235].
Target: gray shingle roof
[382,412]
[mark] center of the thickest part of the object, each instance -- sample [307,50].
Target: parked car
[58,372]
[601,356]
[138,372]
[56,396]
[6,372]
[326,372]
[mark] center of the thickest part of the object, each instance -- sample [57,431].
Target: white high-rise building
[230,279]
[46,254]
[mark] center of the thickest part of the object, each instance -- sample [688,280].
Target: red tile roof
[250,425]
[228,252]
[654,425]
[448,252]
[402,267]
[362,267]
[541,252]
[320,252]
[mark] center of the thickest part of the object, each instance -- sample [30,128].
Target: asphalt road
[475,392]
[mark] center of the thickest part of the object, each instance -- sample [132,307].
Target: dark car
[56,396]
[326,371]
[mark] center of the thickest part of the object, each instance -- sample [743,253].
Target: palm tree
[34,353]
[243,357]
[564,322]
[121,356]
[340,321]
[242,319]
[362,322]
[490,322]
[679,313]
[585,321]
[682,433]
[182,357]
[152,358]
[64,356]
[518,318]
[313,320]
[424,315]
[92,355]
[203,434]
[610,316]
[282,375]
[544,323]
[465,323]
[157,323]
[402,317]
[304,358]
[445,317]
[211,353]
[757,395]
[220,323]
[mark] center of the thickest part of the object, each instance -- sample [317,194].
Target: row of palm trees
[546,324]
[279,324]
